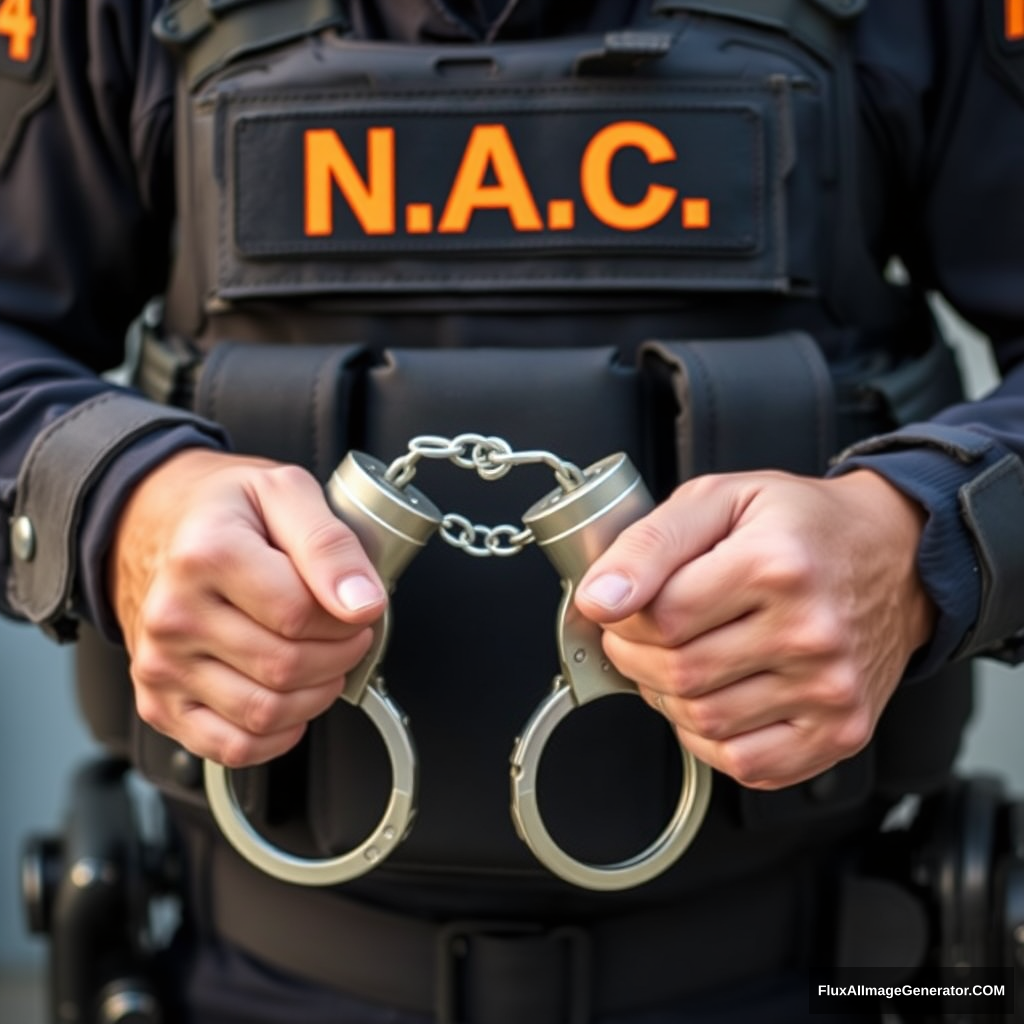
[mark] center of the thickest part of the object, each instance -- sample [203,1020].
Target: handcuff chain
[501,541]
[491,458]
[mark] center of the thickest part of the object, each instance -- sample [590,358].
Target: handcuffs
[572,525]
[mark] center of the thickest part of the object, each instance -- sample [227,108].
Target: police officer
[736,174]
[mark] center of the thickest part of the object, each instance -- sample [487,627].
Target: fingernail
[608,590]
[359,592]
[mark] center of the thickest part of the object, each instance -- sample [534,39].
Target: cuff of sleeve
[57,476]
[965,481]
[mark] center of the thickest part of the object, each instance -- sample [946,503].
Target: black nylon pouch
[473,639]
[306,408]
[745,403]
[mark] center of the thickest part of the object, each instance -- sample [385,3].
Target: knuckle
[163,614]
[287,478]
[819,634]
[785,566]
[150,669]
[151,710]
[839,688]
[236,751]
[198,553]
[854,733]
[662,621]
[280,667]
[767,785]
[262,712]
[706,720]
[739,765]
[685,671]
[329,538]
[291,616]
[644,536]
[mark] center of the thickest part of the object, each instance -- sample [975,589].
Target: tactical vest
[646,241]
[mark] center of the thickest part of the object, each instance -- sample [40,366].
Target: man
[737,173]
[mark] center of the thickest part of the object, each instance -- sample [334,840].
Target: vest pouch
[292,403]
[472,647]
[737,404]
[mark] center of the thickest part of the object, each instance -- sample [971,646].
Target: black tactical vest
[582,244]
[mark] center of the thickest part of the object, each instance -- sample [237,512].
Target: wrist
[898,521]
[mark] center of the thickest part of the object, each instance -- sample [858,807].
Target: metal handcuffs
[572,524]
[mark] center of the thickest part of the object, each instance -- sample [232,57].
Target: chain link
[491,458]
[483,541]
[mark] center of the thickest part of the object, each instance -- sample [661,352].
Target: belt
[510,971]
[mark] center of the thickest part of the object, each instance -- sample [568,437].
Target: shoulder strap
[817,24]
[206,34]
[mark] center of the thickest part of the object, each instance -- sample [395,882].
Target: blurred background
[42,740]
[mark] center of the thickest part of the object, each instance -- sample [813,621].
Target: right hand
[243,601]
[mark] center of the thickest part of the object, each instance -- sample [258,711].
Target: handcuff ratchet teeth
[392,525]
[573,524]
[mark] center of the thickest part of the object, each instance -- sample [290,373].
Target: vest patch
[1013,21]
[677,179]
[556,173]
[26,70]
[1004,25]
[22,37]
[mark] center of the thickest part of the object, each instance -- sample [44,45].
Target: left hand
[770,617]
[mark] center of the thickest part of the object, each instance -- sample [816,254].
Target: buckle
[507,972]
[162,368]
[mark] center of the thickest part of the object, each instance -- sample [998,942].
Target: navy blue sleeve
[86,206]
[948,119]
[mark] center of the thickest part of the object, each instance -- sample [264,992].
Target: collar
[452,21]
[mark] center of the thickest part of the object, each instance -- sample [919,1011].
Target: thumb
[325,552]
[630,573]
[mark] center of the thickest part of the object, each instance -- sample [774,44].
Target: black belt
[511,972]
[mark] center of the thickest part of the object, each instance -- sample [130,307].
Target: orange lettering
[419,218]
[490,149]
[1014,19]
[596,178]
[561,215]
[372,200]
[696,214]
[18,23]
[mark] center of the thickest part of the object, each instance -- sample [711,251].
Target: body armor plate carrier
[644,241]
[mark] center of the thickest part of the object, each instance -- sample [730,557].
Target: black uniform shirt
[86,212]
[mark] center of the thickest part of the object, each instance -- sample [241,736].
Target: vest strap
[210,33]
[993,507]
[817,24]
